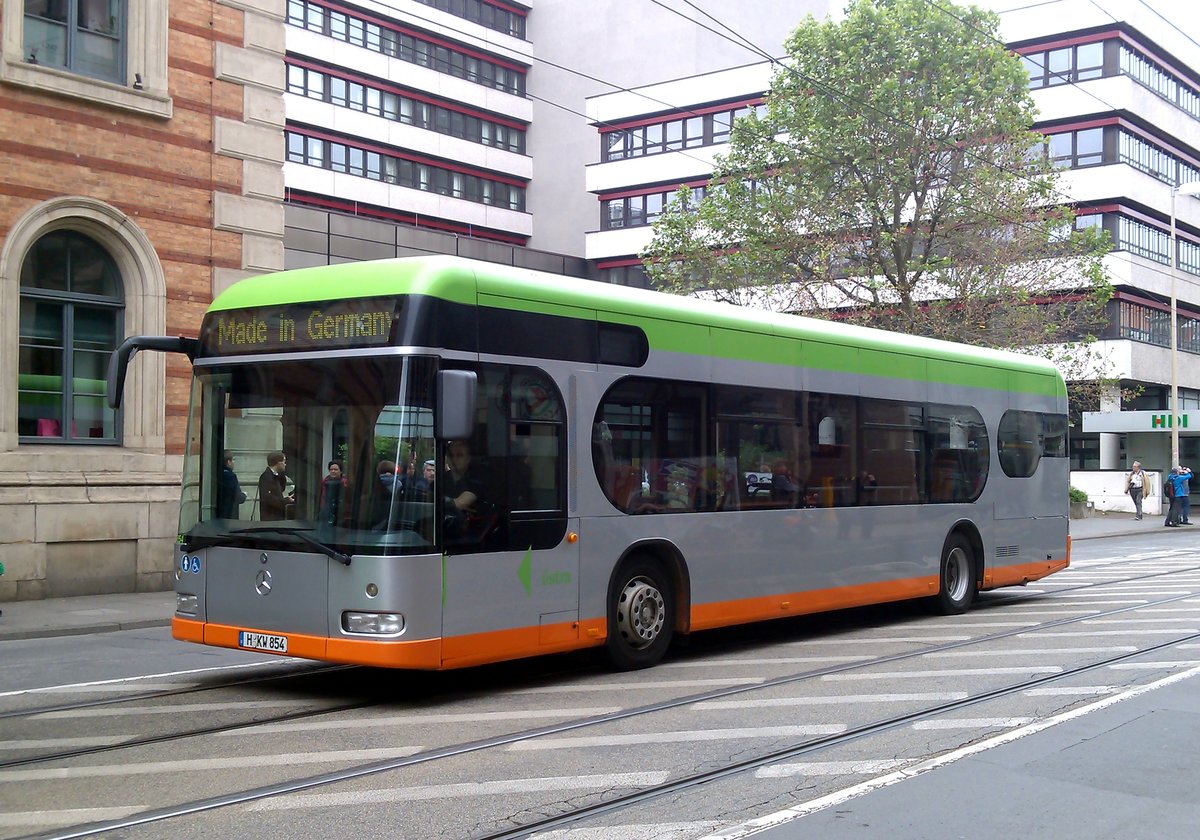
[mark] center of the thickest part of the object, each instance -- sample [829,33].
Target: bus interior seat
[895,477]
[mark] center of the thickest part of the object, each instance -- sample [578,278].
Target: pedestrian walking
[1135,486]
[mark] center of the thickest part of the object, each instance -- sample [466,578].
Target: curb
[12,634]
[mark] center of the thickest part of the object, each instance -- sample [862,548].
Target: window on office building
[71,318]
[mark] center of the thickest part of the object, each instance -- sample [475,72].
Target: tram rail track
[250,795]
[141,697]
[80,752]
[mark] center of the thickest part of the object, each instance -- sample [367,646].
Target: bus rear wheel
[956,588]
[641,615]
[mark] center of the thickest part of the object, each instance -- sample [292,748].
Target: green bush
[1077,495]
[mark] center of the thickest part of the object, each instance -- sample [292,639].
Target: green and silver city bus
[629,466]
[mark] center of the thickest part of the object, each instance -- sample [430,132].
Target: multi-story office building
[142,171]
[458,126]
[296,132]
[1119,103]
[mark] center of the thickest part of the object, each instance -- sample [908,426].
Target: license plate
[262,641]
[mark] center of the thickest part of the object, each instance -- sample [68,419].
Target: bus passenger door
[511,586]
[514,602]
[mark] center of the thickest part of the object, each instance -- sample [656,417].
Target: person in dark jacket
[334,495]
[273,498]
[229,489]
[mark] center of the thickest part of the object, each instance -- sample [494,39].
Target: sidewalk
[1118,524]
[132,611]
[85,614]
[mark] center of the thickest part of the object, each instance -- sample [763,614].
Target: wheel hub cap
[641,612]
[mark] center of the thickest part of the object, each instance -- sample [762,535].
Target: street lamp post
[1186,188]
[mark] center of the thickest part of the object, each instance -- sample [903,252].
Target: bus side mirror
[118,362]
[455,404]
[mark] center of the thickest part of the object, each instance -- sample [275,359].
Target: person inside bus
[468,516]
[229,489]
[423,486]
[464,480]
[784,489]
[273,497]
[332,509]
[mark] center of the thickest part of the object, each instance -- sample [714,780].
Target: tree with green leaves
[895,182]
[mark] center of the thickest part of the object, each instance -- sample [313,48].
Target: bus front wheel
[956,589]
[641,615]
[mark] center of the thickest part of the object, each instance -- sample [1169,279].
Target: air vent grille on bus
[1008,551]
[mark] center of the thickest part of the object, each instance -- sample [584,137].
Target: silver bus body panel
[729,556]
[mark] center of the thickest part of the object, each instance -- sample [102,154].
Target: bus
[532,463]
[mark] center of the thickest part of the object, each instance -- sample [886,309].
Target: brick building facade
[142,147]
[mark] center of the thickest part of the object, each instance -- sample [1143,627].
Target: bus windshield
[315,454]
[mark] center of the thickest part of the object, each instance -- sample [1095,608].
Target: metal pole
[1174,415]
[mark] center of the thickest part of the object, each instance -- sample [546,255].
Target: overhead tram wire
[613,85]
[674,109]
[1159,14]
[836,95]
[1079,86]
[743,42]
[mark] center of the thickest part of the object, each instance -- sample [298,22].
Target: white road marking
[1068,690]
[881,641]
[114,688]
[787,815]
[843,699]
[641,831]
[74,816]
[1090,633]
[64,743]
[503,787]
[662,684]
[420,720]
[1132,620]
[1131,594]
[972,723]
[828,768]
[782,660]
[192,765]
[680,737]
[973,624]
[168,709]
[1144,666]
[974,654]
[948,672]
[126,681]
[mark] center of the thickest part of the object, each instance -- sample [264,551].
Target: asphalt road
[1068,708]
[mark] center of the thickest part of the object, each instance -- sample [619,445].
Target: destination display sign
[322,325]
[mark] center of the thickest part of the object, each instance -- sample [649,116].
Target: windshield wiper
[324,548]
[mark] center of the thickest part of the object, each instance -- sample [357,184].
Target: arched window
[72,313]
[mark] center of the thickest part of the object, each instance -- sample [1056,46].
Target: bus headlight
[187,604]
[374,624]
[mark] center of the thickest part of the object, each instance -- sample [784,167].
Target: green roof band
[672,323]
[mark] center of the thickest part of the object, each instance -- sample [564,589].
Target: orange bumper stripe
[726,613]
[423,654]
[500,645]
[1023,572]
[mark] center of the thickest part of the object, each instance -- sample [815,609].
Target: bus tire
[641,615]
[956,577]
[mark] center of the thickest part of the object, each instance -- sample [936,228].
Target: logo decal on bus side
[525,571]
